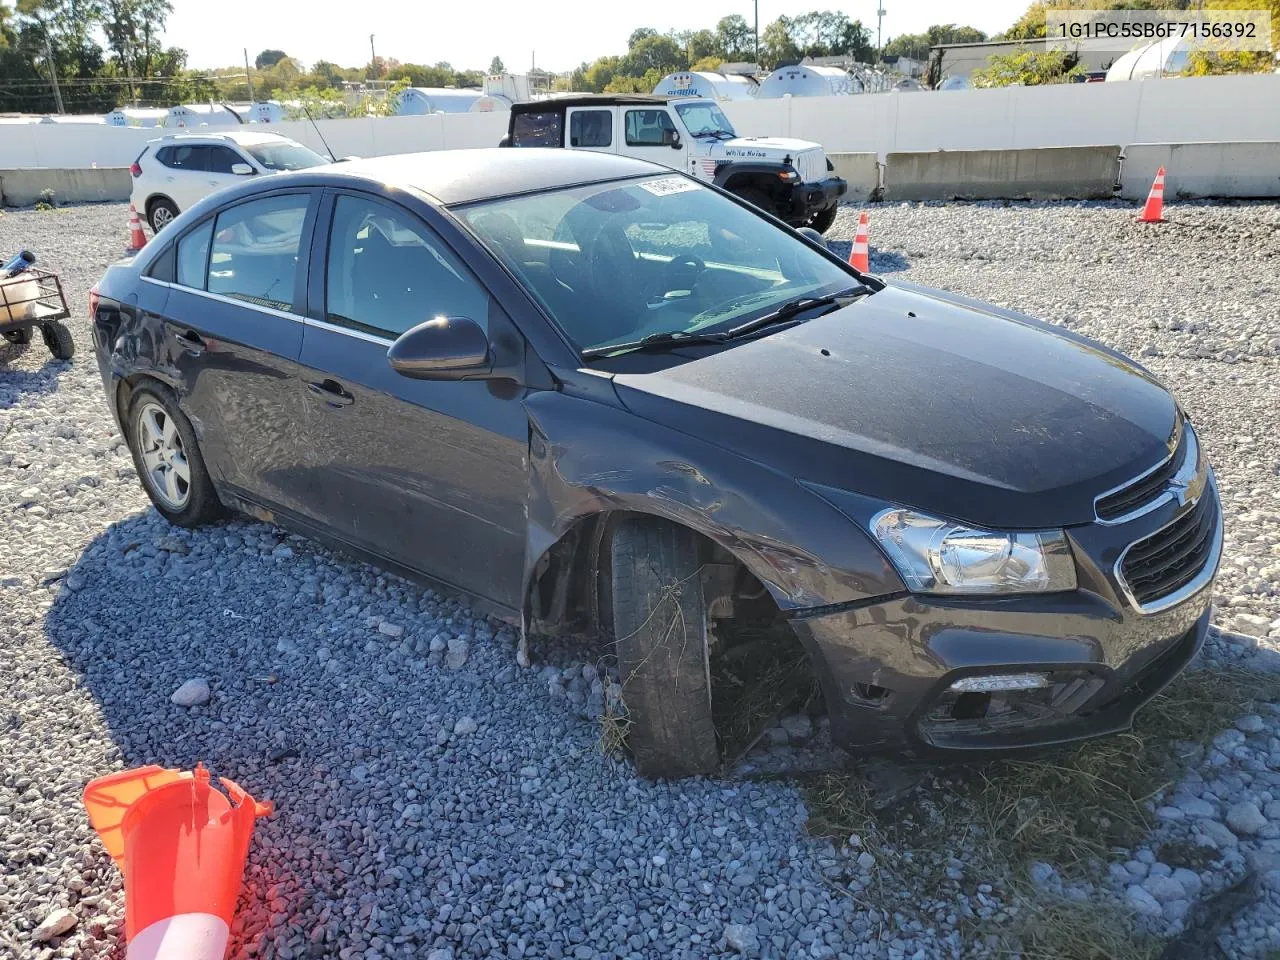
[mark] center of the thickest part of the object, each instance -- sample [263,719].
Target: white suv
[174,172]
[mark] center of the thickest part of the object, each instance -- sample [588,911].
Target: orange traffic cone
[1153,211]
[860,252]
[137,239]
[181,847]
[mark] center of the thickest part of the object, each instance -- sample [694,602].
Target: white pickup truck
[791,179]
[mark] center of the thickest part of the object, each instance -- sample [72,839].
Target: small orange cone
[181,846]
[1153,211]
[137,239]
[860,252]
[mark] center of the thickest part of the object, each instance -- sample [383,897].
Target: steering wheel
[683,272]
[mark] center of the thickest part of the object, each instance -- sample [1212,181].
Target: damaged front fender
[587,458]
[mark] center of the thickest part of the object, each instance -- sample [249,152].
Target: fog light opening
[971,706]
[871,694]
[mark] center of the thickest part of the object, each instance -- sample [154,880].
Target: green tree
[735,39]
[707,64]
[826,33]
[640,33]
[268,58]
[497,66]
[776,44]
[1029,68]
[917,45]
[698,44]
[656,52]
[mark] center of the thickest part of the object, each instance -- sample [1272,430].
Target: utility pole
[373,60]
[757,3]
[879,45]
[53,69]
[248,74]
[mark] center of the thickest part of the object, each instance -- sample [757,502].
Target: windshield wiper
[793,308]
[667,338]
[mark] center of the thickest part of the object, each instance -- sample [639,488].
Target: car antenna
[316,127]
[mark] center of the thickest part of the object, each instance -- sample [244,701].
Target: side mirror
[444,348]
[242,170]
[671,138]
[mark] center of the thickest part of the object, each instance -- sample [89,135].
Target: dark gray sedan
[602,398]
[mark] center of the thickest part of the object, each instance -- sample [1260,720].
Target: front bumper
[808,199]
[887,667]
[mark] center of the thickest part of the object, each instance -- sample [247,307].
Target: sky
[556,35]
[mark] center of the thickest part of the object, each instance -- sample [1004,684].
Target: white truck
[791,179]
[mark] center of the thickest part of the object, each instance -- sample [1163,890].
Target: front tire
[20,337]
[160,213]
[823,220]
[167,458]
[660,628]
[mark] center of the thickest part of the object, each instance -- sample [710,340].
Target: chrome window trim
[1191,455]
[232,301]
[1183,593]
[283,314]
[338,328]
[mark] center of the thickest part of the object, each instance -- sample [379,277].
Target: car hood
[929,400]
[757,146]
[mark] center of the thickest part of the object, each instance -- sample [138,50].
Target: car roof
[463,176]
[245,138]
[592,100]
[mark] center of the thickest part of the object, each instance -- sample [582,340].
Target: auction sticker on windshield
[669,185]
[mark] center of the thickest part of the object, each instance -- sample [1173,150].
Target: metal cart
[34,298]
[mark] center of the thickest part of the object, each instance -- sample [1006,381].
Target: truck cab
[791,179]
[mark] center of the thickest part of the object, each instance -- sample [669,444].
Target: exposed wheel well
[759,667]
[753,181]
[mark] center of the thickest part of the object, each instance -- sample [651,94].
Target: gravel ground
[433,800]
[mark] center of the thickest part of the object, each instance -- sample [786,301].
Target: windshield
[704,117]
[285,156]
[615,262]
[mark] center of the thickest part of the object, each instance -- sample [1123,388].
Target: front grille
[811,165]
[1171,558]
[1146,488]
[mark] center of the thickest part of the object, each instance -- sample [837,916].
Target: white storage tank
[416,101]
[266,111]
[807,80]
[1154,59]
[136,117]
[710,86]
[200,115]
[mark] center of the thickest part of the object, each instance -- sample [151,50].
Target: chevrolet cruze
[603,398]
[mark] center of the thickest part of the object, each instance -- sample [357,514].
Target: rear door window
[537,130]
[187,156]
[591,128]
[254,255]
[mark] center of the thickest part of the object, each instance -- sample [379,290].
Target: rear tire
[660,626]
[160,213]
[191,502]
[823,220]
[19,337]
[58,339]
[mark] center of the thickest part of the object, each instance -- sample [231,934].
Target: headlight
[934,556]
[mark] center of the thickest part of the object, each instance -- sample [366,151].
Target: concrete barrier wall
[862,170]
[1237,169]
[20,188]
[1082,173]
[1173,110]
